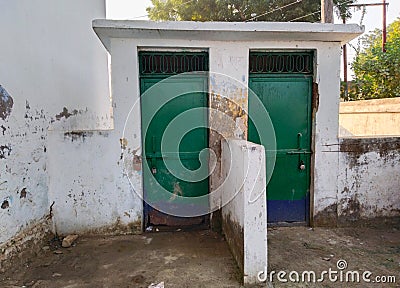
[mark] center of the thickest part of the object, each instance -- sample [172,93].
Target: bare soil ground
[202,259]
[363,248]
[180,259]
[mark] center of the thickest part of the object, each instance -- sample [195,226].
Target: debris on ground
[69,240]
[159,285]
[296,249]
[129,261]
[200,257]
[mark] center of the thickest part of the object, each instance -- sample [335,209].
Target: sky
[136,9]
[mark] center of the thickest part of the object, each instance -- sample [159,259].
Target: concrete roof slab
[225,31]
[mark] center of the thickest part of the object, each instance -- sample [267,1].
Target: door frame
[145,209]
[314,108]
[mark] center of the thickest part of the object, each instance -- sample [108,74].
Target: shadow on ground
[202,259]
[363,248]
[180,259]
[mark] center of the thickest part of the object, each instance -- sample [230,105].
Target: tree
[240,10]
[377,73]
[342,8]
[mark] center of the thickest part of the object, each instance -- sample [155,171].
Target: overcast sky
[136,9]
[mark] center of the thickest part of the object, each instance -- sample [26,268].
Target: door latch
[154,170]
[302,166]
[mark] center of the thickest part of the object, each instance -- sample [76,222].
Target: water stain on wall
[77,135]
[66,114]
[6,104]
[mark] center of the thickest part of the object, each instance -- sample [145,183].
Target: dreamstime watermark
[339,275]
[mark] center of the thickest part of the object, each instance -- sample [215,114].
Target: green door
[283,83]
[164,99]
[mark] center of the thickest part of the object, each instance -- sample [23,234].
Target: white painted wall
[230,57]
[57,76]
[325,129]
[369,182]
[102,189]
[50,59]
[243,169]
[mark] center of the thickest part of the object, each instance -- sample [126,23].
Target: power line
[301,17]
[280,8]
[276,9]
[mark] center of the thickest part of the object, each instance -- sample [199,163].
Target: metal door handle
[299,136]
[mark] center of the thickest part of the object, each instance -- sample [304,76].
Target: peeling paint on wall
[123,142]
[137,162]
[77,135]
[5,151]
[355,148]
[369,179]
[315,97]
[6,103]
[38,97]
[5,204]
[368,182]
[23,193]
[65,114]
[232,108]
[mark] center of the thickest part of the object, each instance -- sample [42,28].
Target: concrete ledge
[244,218]
[224,31]
[370,118]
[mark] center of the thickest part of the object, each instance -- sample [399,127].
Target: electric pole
[346,87]
[327,11]
[384,4]
[384,26]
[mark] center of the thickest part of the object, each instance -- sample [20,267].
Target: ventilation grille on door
[172,63]
[277,62]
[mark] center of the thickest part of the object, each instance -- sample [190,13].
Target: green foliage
[234,10]
[243,10]
[377,72]
[341,8]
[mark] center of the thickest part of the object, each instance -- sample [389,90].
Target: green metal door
[155,68]
[283,83]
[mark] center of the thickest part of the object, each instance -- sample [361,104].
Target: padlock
[154,170]
[302,166]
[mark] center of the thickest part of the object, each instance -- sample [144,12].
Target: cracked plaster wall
[53,80]
[369,183]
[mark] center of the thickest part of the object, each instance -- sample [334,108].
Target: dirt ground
[180,259]
[363,248]
[202,259]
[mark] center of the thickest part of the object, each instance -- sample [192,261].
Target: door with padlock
[283,83]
